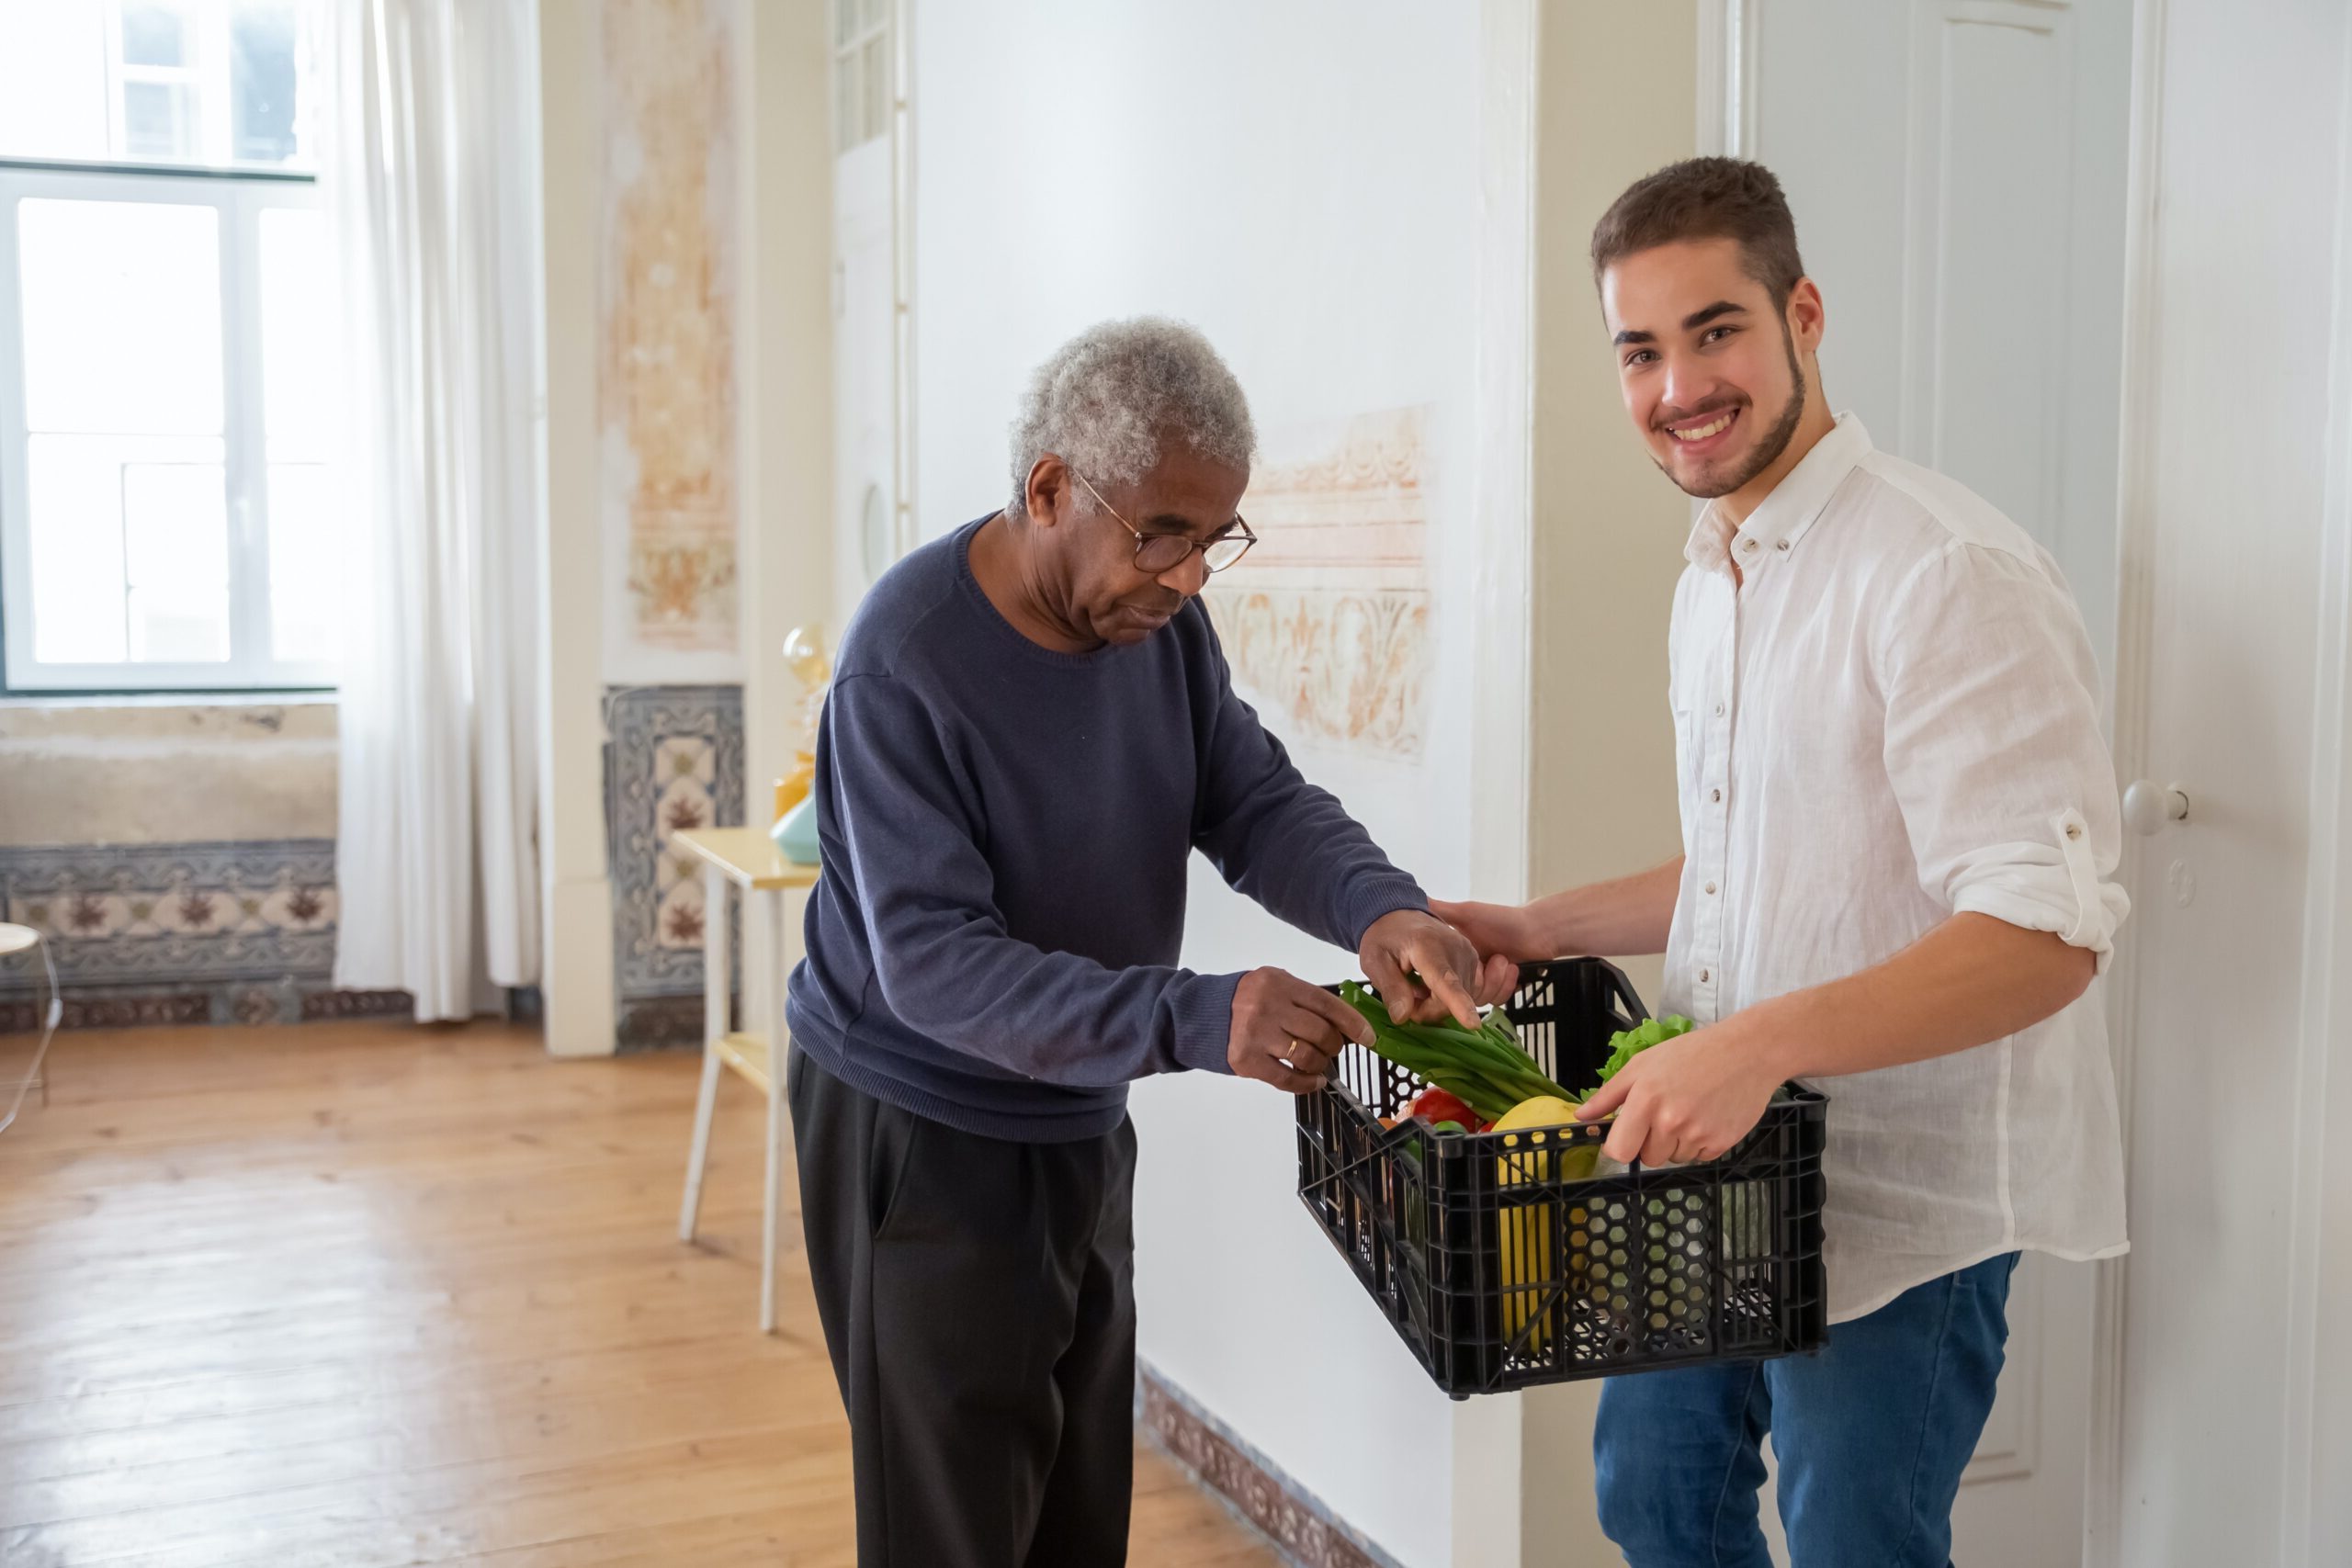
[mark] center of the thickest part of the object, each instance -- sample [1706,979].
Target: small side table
[747,859]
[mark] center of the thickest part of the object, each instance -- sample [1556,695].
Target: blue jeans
[1871,1435]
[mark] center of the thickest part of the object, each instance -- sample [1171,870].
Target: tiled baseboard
[239,932]
[132,1007]
[1298,1522]
[659,1023]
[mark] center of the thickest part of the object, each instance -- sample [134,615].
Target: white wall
[576,969]
[140,770]
[1609,533]
[785,366]
[779,165]
[1321,199]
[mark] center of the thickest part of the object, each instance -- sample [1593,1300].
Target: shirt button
[1748,544]
[1719,710]
[1710,888]
[2074,831]
[1715,796]
[1705,975]
[1781,546]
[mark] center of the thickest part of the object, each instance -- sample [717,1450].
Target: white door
[1958,173]
[865,324]
[2236,1385]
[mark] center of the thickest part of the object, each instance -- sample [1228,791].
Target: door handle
[2148,808]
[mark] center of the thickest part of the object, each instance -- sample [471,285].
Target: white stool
[745,858]
[24,938]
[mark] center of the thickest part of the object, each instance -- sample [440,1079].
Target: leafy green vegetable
[1628,1043]
[1485,1068]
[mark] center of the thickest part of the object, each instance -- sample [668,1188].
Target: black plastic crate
[1509,1259]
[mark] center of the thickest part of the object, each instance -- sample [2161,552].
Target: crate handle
[1389,1138]
[1630,1010]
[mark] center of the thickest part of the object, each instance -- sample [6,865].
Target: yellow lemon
[1525,1233]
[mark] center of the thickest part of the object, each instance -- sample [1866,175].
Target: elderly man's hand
[1425,970]
[1285,1031]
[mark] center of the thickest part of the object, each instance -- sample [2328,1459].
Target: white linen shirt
[1891,720]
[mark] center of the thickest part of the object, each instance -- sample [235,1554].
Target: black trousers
[977,1297]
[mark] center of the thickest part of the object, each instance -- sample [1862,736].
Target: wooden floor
[362,1294]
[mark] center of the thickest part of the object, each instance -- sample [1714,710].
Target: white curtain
[431,164]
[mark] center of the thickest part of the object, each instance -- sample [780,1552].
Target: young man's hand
[1497,931]
[1426,971]
[1687,1098]
[1285,1031]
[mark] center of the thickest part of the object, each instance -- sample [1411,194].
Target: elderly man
[1030,730]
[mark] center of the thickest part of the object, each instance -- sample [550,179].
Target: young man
[1899,822]
[1030,730]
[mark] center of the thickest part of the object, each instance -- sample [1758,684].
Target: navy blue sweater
[992,940]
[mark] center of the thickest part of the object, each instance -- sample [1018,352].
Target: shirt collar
[1789,511]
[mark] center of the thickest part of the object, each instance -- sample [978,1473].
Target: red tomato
[1435,1105]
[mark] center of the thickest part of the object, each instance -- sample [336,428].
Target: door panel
[864,393]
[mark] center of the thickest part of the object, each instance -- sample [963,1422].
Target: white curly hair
[1105,400]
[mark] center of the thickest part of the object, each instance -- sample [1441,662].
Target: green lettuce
[1628,1043]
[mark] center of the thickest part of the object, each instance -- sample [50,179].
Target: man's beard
[1775,441]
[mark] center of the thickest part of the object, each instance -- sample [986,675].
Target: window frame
[239,197]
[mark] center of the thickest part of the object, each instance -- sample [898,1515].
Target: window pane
[53,81]
[299,331]
[153,33]
[175,560]
[847,116]
[129,548]
[122,316]
[76,526]
[263,79]
[159,122]
[172,85]
[305,565]
[877,97]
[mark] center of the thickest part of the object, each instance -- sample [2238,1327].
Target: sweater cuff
[1202,1007]
[1369,902]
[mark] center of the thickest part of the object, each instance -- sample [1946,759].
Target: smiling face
[1719,380]
[1095,589]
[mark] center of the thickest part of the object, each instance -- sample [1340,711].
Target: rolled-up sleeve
[1994,748]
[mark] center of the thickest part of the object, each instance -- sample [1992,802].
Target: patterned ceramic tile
[666,370]
[229,932]
[245,911]
[1327,621]
[1297,1523]
[674,762]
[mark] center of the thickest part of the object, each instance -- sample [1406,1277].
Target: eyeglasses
[1156,554]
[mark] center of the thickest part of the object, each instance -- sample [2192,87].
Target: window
[860,72]
[167,325]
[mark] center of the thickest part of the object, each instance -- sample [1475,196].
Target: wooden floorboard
[366,1295]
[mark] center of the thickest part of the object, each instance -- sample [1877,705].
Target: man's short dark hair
[1705,198]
